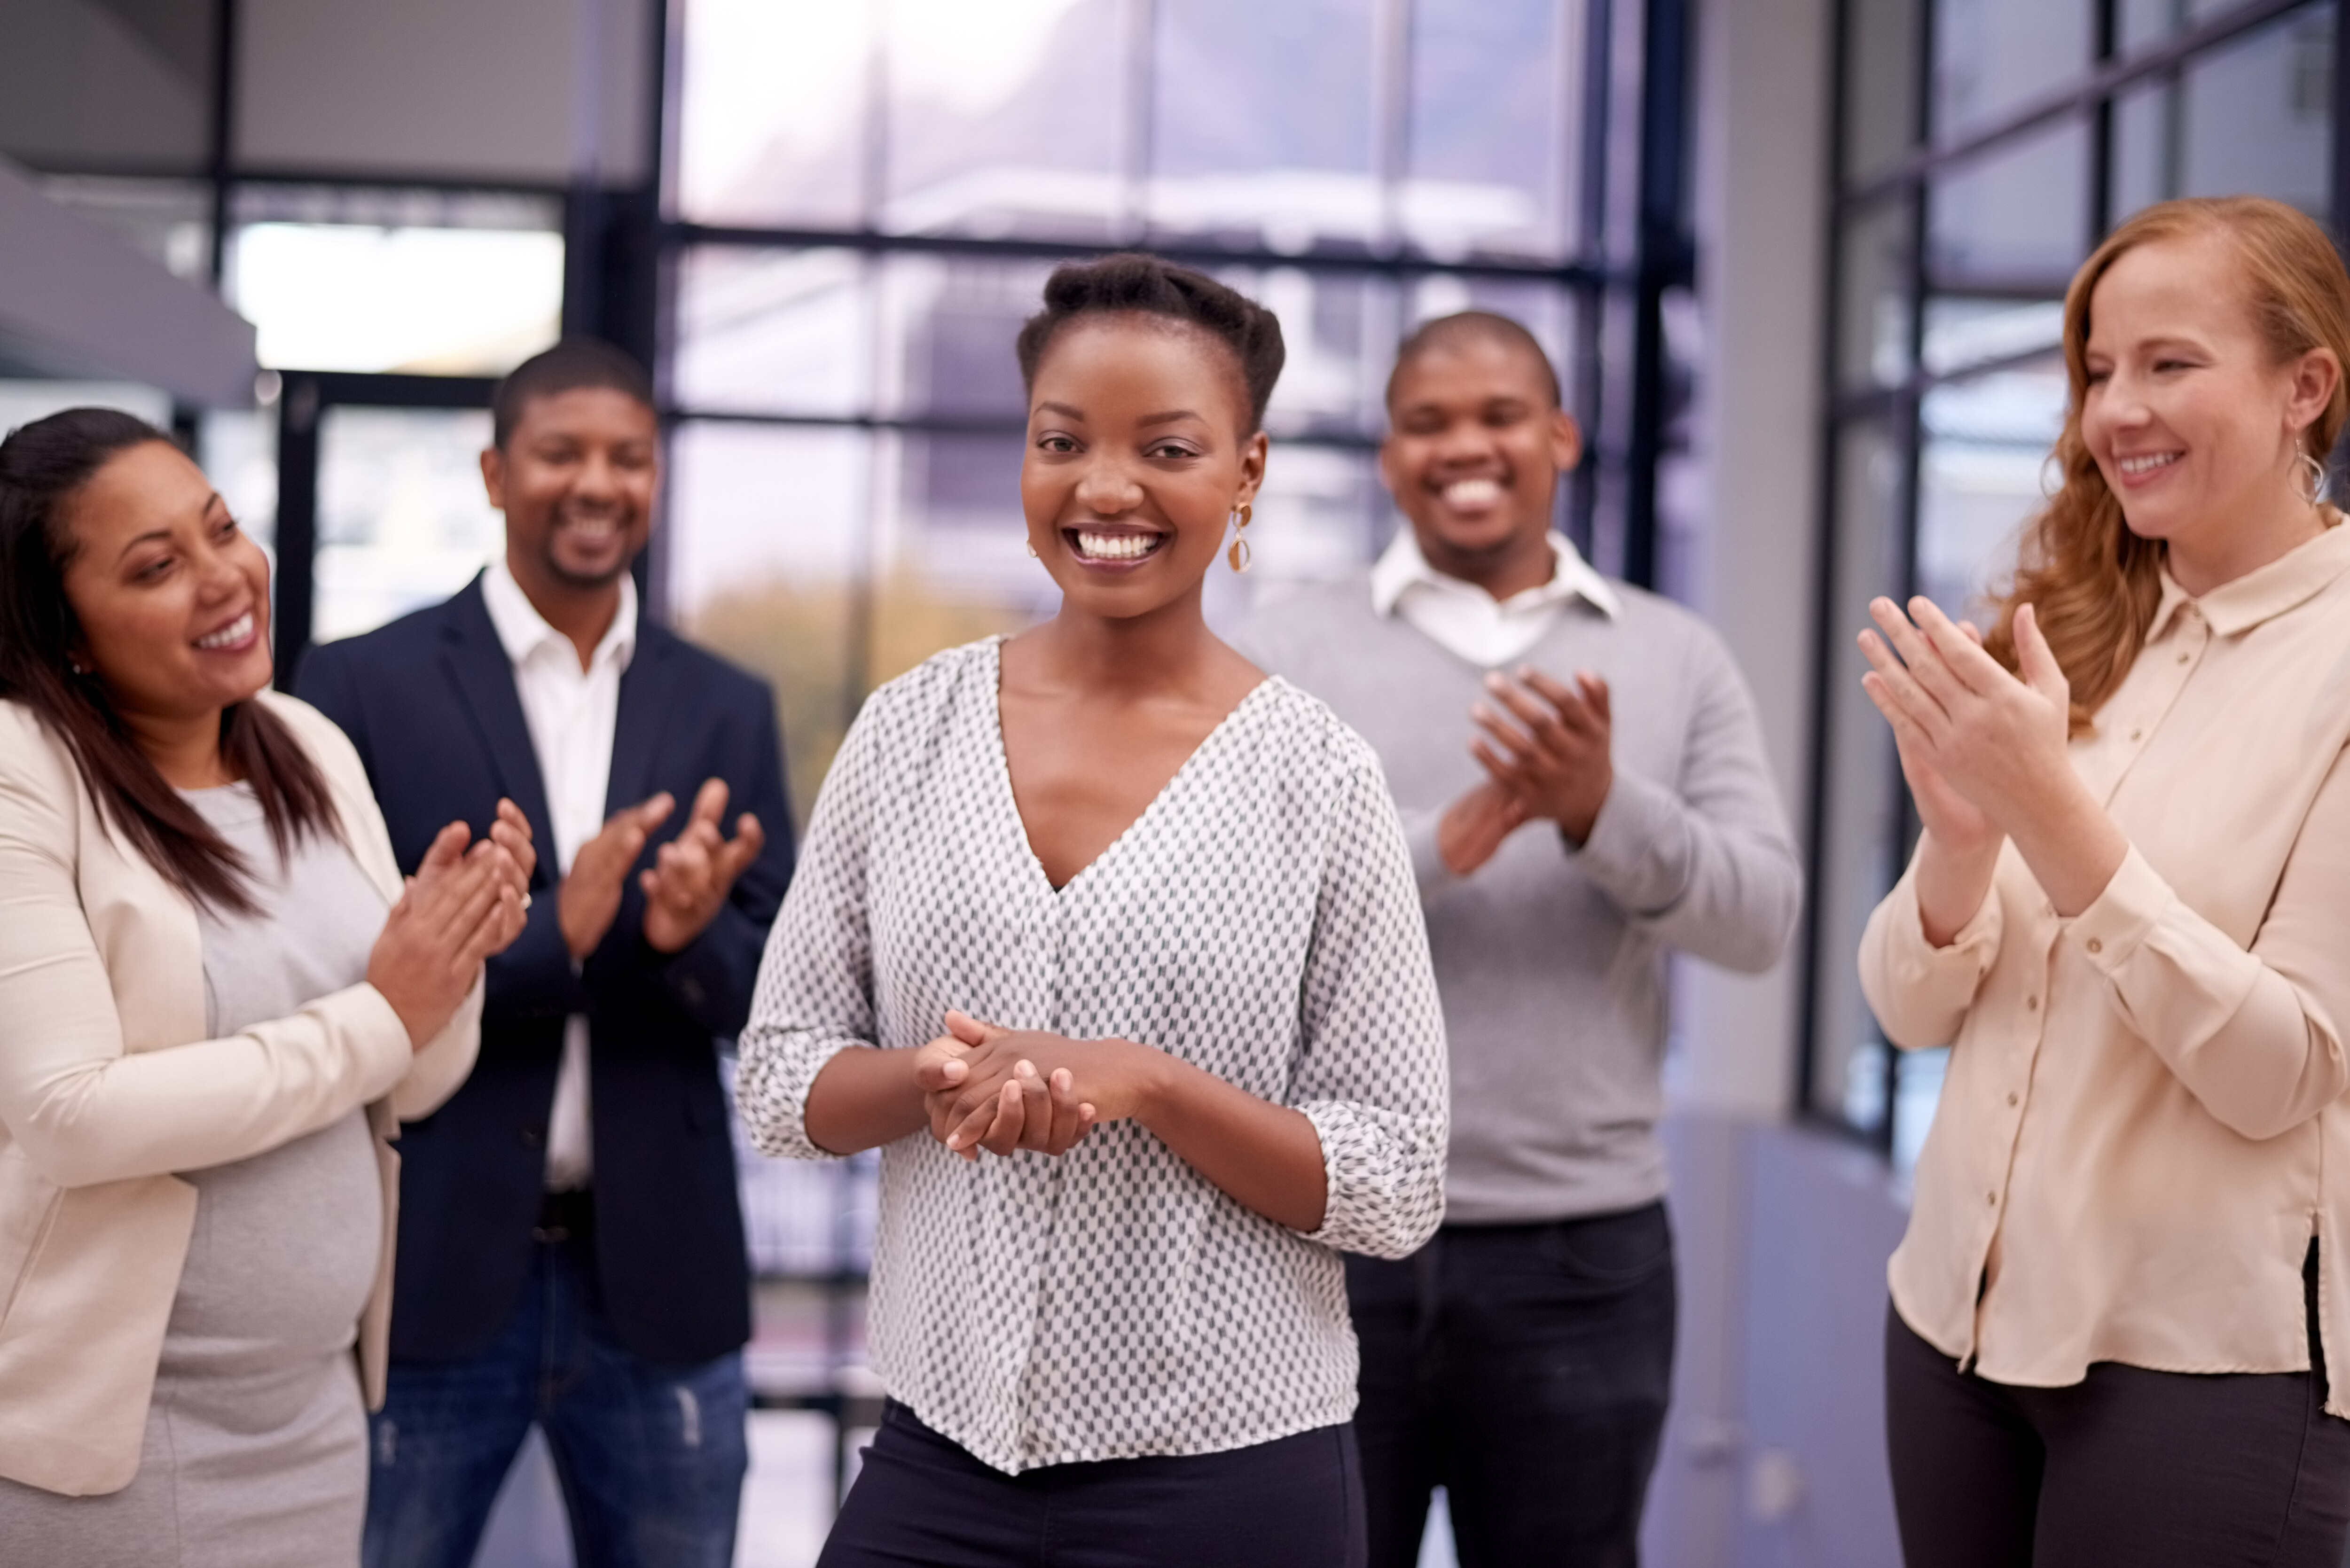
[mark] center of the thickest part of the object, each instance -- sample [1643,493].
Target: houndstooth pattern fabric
[1259,921]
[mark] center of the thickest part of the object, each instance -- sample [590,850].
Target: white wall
[523,89]
[1762,91]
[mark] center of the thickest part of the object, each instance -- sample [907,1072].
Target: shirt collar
[1402,566]
[522,632]
[2286,583]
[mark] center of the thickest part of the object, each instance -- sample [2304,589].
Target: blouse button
[2096,946]
[1990,1199]
[2031,1004]
[2011,1097]
[2185,657]
[2136,733]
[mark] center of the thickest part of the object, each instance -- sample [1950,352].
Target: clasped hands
[1545,747]
[1001,1090]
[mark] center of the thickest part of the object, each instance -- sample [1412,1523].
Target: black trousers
[1525,1369]
[922,1500]
[2129,1466]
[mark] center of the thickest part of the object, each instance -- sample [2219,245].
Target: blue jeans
[650,1457]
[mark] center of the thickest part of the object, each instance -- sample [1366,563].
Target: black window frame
[2090,97]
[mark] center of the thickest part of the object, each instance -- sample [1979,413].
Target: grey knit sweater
[1549,960]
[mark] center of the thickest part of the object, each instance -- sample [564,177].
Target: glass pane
[829,332]
[773,331]
[772,113]
[1880,84]
[2017,216]
[237,450]
[1009,118]
[91,86]
[1873,328]
[1991,56]
[1962,332]
[1493,127]
[1979,478]
[764,540]
[167,220]
[2141,23]
[951,562]
[1861,781]
[402,520]
[1274,142]
[2253,118]
[948,325]
[439,283]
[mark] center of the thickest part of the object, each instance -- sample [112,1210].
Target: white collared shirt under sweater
[1258,920]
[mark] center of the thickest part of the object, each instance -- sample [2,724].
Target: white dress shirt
[1464,618]
[571,713]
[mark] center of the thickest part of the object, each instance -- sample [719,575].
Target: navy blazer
[430,701]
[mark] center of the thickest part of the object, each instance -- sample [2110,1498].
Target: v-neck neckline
[1011,799]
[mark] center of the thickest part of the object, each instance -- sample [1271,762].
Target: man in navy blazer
[571,1249]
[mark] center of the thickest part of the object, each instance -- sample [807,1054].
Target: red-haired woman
[216,1000]
[2130,911]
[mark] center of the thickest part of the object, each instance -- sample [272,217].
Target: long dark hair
[42,466]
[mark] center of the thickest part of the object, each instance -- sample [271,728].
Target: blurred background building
[1800,263]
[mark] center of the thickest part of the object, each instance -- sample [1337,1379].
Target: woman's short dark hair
[1132,282]
[42,466]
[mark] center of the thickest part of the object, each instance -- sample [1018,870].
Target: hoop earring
[1239,555]
[2316,496]
[79,668]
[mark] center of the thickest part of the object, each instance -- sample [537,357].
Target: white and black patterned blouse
[1260,922]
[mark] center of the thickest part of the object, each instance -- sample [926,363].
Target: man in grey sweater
[1582,779]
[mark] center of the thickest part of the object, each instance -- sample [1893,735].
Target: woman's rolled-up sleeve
[1372,1077]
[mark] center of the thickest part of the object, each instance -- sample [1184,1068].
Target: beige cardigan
[108,1086]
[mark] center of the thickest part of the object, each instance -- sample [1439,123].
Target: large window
[861,207]
[1983,145]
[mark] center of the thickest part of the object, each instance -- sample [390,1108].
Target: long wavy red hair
[2093,584]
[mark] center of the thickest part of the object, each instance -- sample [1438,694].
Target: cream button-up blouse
[2143,1125]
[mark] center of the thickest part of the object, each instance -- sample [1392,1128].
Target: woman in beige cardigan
[217,1001]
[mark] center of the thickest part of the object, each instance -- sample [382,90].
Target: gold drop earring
[1239,554]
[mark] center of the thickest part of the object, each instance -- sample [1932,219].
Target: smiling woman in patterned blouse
[1111,942]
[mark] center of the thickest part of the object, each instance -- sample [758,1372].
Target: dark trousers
[922,1502]
[1525,1369]
[2150,1468]
[650,1456]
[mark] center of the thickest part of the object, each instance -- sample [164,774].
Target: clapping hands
[1545,746]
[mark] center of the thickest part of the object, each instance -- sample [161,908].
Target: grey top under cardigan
[1551,960]
[256,1452]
